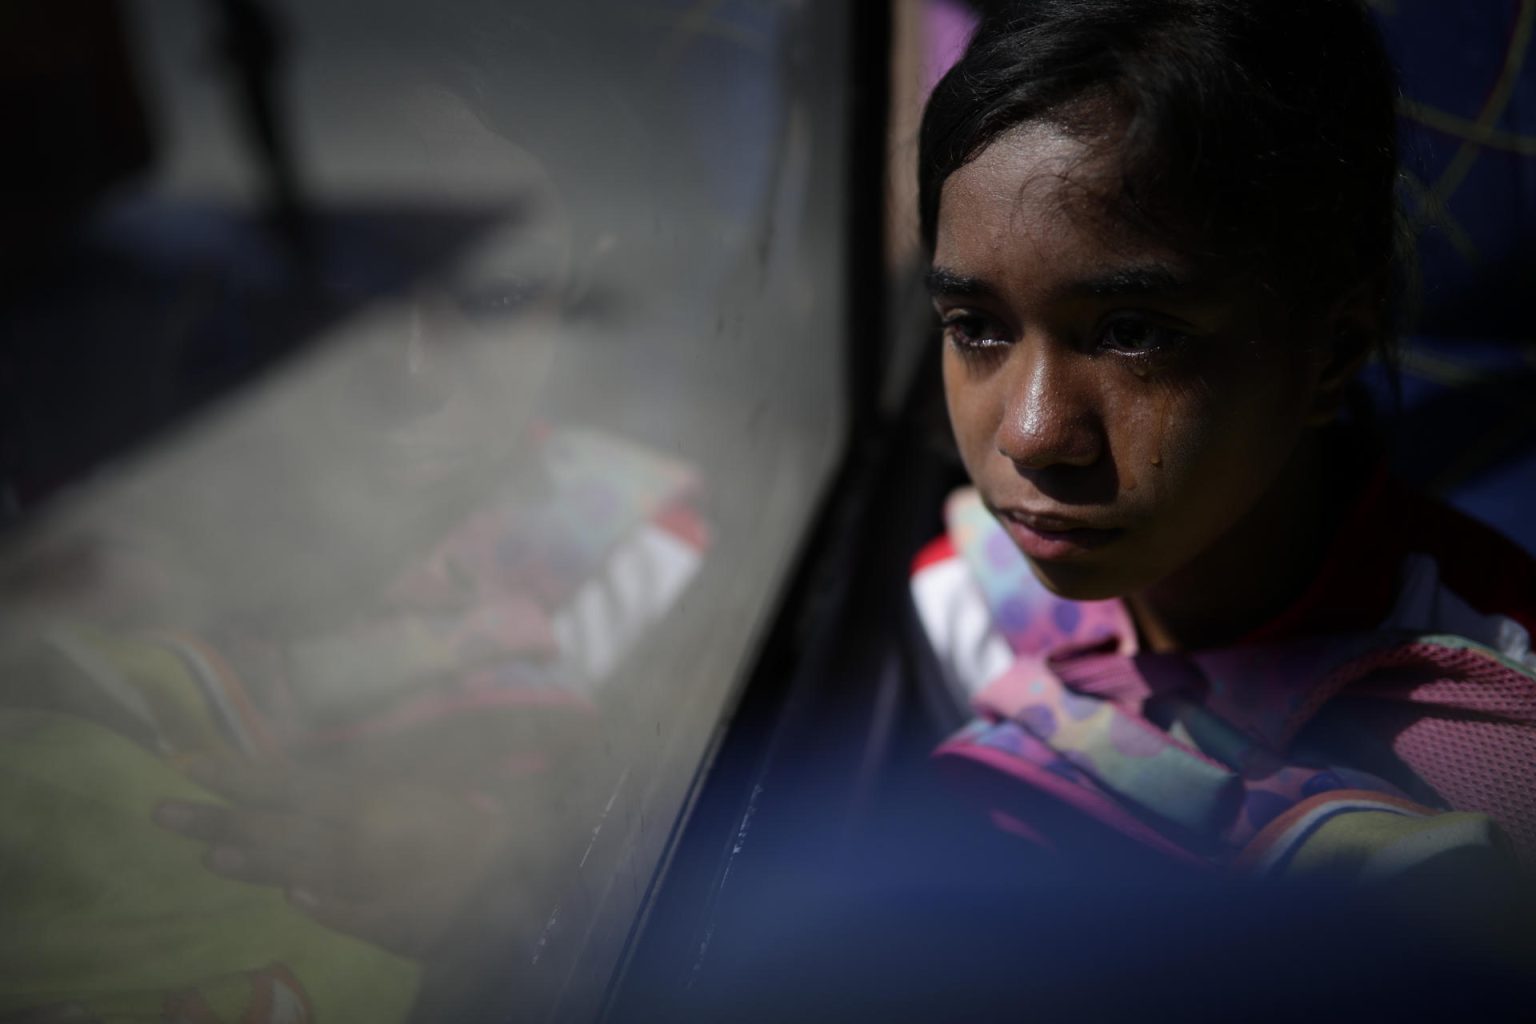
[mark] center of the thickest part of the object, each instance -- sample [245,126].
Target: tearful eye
[1137,337]
[972,332]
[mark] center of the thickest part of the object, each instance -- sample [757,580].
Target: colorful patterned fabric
[1203,755]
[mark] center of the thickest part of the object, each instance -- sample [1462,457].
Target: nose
[1049,413]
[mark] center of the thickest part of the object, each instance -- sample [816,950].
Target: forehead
[1037,192]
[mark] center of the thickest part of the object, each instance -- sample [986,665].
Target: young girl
[1163,239]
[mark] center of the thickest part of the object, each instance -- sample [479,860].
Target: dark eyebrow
[1149,279]
[947,282]
[1152,279]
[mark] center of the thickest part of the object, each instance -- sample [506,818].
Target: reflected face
[447,373]
[1118,410]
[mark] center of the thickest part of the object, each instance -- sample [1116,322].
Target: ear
[1350,329]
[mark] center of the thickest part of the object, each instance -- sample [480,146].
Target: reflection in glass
[411,459]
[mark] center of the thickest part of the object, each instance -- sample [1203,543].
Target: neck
[1256,570]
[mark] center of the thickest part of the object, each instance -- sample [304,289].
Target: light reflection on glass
[486,403]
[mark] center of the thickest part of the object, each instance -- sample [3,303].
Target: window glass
[407,434]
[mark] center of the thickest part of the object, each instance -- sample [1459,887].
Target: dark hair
[1257,133]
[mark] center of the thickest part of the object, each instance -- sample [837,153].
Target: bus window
[407,434]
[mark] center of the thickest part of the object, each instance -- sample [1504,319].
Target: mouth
[1050,538]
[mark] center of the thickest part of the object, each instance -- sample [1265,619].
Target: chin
[1079,582]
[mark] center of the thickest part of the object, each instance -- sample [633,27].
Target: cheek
[960,402]
[969,418]
[1153,425]
[1211,445]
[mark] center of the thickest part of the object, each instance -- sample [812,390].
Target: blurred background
[459,465]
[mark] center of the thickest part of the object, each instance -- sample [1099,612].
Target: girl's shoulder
[1405,562]
[1485,569]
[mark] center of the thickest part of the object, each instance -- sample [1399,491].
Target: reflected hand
[393,864]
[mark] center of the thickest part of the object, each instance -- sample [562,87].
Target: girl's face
[1119,412]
